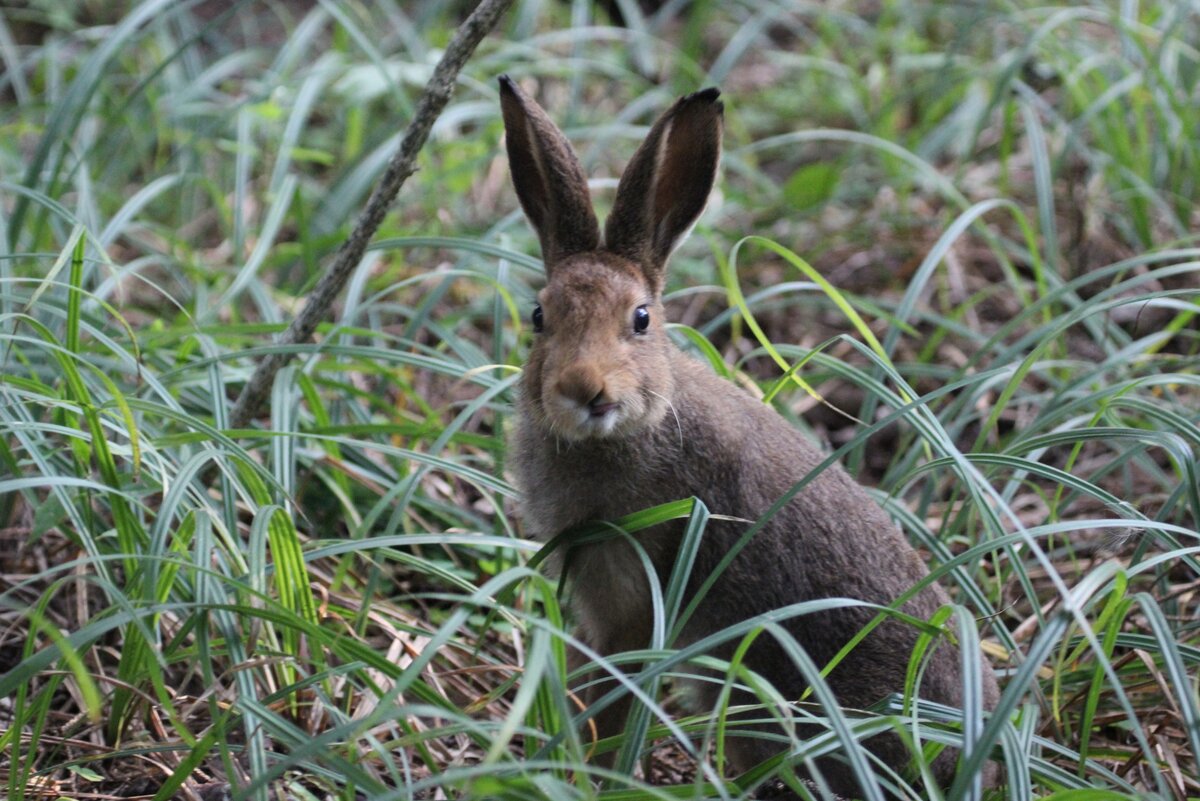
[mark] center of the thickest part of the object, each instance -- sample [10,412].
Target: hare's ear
[667,183]
[549,180]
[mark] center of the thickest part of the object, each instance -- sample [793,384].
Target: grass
[973,276]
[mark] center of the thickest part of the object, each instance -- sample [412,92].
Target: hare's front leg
[592,685]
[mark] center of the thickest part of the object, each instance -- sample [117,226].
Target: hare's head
[600,363]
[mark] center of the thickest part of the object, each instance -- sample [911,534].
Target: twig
[402,164]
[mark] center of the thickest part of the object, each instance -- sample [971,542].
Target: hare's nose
[581,384]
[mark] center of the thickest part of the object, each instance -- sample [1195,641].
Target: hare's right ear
[548,177]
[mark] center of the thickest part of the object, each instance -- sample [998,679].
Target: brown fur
[677,430]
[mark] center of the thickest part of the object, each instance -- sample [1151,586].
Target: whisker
[671,406]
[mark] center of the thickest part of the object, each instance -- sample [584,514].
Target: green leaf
[48,515]
[812,185]
[85,773]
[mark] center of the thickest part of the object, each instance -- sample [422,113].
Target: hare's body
[613,418]
[831,540]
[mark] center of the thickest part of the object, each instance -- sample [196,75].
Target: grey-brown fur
[612,421]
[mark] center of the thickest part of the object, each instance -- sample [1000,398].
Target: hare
[613,418]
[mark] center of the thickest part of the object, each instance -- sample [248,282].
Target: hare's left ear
[667,183]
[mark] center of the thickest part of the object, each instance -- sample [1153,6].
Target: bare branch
[316,308]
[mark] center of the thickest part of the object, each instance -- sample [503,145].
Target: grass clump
[336,602]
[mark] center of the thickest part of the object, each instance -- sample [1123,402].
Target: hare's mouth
[587,421]
[600,410]
[599,419]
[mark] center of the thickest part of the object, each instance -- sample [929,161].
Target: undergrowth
[973,277]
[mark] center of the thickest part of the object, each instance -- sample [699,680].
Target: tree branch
[402,164]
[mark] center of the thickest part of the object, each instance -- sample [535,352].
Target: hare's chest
[564,489]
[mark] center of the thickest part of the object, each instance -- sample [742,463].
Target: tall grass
[976,282]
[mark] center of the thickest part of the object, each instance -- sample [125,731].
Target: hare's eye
[537,319]
[641,319]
